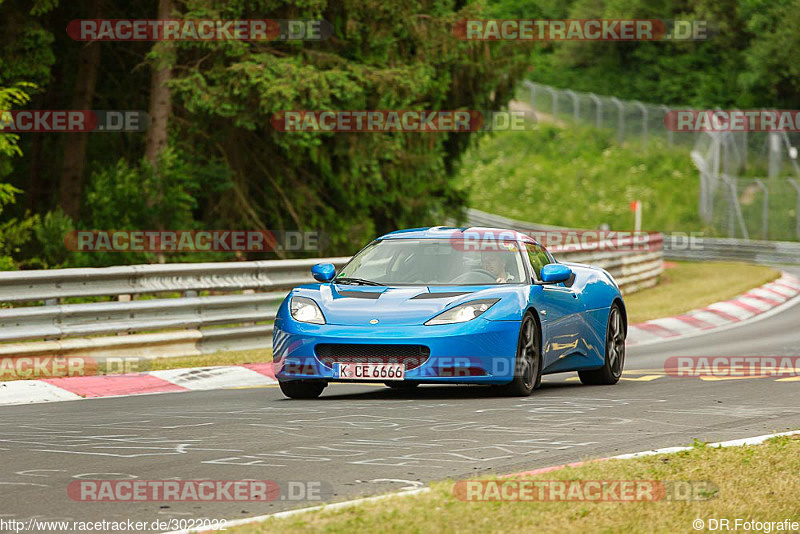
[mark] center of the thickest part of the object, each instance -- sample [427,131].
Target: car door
[560,307]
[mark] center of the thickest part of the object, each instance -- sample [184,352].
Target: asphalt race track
[363,439]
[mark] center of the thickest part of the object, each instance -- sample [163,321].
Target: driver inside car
[494,262]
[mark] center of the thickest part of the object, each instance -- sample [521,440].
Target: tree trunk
[71,187]
[160,97]
[160,102]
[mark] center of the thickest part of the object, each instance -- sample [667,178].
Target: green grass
[756,483]
[577,176]
[687,286]
[217,358]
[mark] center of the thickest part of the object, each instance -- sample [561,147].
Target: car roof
[453,232]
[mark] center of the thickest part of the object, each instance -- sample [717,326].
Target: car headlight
[306,310]
[463,312]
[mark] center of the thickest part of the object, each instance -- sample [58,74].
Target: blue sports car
[448,305]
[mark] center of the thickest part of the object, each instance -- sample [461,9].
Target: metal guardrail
[17,286]
[712,249]
[151,327]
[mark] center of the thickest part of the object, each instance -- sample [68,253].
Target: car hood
[403,305]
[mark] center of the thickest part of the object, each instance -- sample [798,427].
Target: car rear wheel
[302,389]
[611,371]
[528,362]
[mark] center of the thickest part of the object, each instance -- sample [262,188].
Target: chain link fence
[749,181]
[635,122]
[750,184]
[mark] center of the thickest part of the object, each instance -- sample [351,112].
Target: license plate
[369,371]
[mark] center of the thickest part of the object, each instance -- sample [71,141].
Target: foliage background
[225,167]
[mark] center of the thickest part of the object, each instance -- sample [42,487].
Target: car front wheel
[528,362]
[302,389]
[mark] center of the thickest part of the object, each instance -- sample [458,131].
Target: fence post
[644,122]
[732,208]
[532,88]
[620,119]
[797,208]
[599,111]
[765,210]
[774,154]
[576,106]
[669,132]
[554,96]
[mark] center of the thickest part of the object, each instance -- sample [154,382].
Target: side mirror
[552,273]
[323,272]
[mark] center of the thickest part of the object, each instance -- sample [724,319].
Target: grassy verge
[218,358]
[7,373]
[688,286]
[756,483]
[578,177]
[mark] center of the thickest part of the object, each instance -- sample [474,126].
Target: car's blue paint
[556,272]
[573,317]
[323,272]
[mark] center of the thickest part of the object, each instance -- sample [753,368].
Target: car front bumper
[478,351]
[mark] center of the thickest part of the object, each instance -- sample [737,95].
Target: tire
[528,360]
[302,389]
[401,384]
[614,363]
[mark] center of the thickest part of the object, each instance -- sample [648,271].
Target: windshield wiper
[356,281]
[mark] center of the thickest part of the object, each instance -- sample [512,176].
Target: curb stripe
[720,313]
[746,306]
[659,331]
[770,301]
[784,283]
[113,385]
[774,291]
[695,321]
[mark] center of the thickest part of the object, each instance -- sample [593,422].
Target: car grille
[412,356]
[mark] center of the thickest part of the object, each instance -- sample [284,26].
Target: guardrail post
[797,208]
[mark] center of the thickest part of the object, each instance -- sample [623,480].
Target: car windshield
[435,262]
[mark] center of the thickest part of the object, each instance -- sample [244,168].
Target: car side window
[538,257]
